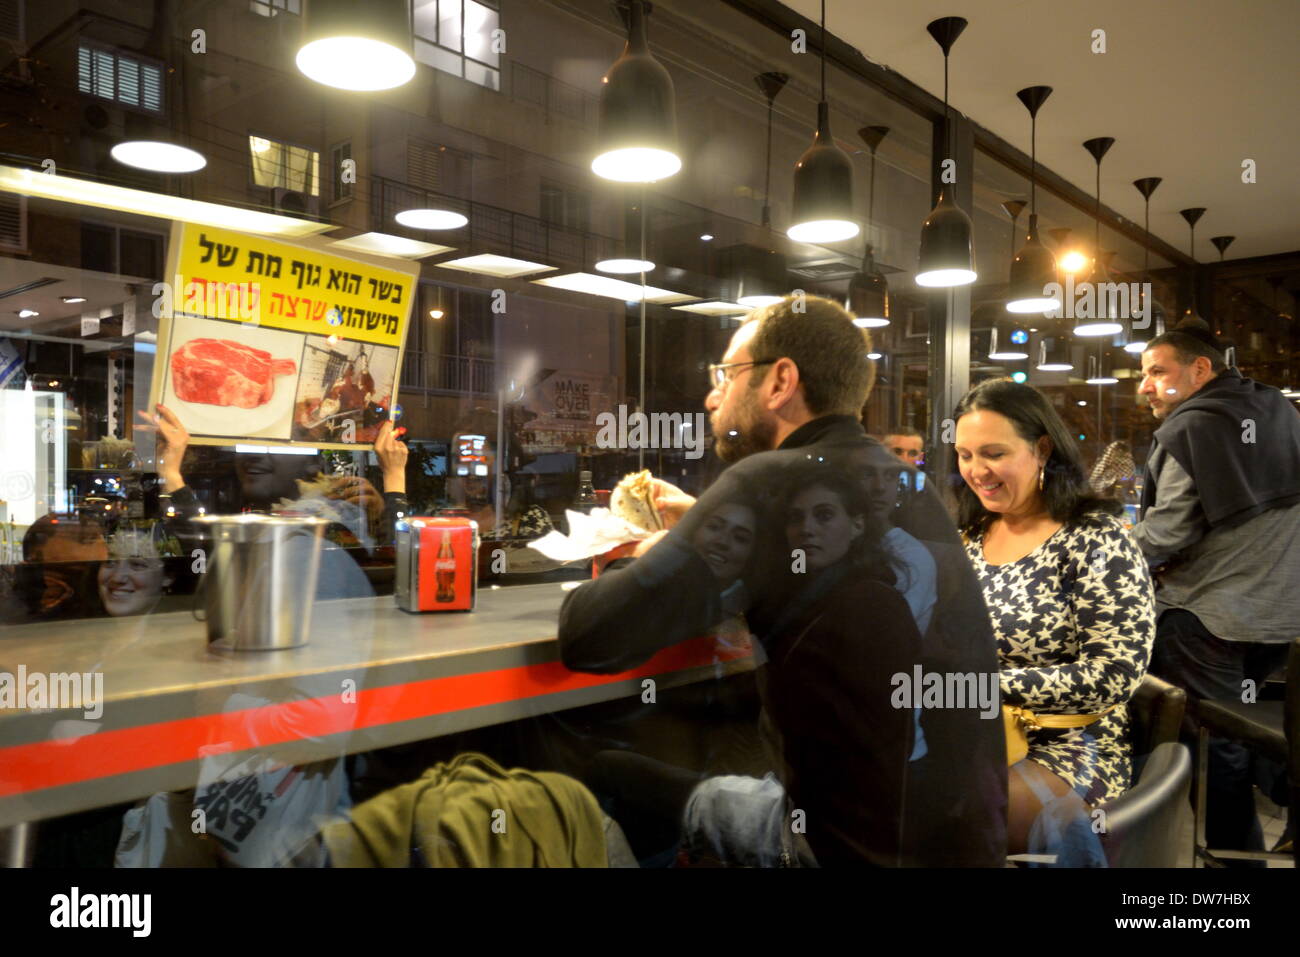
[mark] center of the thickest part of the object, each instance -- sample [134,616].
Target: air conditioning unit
[291,202]
[13,223]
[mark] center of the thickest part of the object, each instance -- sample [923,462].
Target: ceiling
[1187,95]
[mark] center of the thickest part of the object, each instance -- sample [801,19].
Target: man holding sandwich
[853,786]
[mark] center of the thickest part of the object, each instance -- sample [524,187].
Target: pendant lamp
[1054,354]
[1013,208]
[357,46]
[1033,269]
[947,255]
[1138,338]
[1008,342]
[638,120]
[868,302]
[823,180]
[1097,374]
[629,255]
[1104,320]
[762,279]
[1191,215]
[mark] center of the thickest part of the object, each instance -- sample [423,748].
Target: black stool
[1270,729]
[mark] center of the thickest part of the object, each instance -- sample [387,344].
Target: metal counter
[373,676]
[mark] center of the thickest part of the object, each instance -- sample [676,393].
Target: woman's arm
[1112,609]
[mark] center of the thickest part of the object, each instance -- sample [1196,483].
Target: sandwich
[633,501]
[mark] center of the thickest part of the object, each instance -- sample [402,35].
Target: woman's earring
[1040,478]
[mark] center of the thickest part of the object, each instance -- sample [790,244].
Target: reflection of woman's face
[130,586]
[816,522]
[726,539]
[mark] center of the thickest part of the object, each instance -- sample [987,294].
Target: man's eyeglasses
[719,377]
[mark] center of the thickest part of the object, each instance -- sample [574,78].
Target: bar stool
[1269,728]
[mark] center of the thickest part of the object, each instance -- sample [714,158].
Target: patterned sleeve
[1112,610]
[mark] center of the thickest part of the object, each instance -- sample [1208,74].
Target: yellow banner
[262,282]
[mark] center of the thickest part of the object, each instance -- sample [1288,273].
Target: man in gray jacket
[1220,527]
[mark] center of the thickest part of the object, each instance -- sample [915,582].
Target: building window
[565,206]
[341,156]
[281,166]
[456,37]
[128,80]
[271,8]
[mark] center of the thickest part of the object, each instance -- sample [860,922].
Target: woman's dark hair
[867,553]
[1066,492]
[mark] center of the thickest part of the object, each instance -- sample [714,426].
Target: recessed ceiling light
[431,219]
[387,245]
[757,302]
[624,266]
[436,313]
[158,157]
[612,288]
[69,189]
[73,299]
[873,355]
[715,308]
[492,265]
[27,313]
[707,237]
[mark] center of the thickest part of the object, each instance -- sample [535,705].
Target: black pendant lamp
[638,118]
[1100,371]
[762,279]
[630,254]
[1104,320]
[868,289]
[1138,338]
[1054,354]
[1191,215]
[823,180]
[947,254]
[357,46]
[1221,243]
[1033,269]
[1009,341]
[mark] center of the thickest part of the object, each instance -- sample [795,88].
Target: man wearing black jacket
[1220,527]
[868,775]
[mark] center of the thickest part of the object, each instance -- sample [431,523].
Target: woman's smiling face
[817,522]
[726,540]
[999,466]
[130,586]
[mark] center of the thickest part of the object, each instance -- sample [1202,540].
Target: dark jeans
[1206,666]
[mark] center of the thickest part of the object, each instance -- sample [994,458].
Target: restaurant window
[281,166]
[271,8]
[340,155]
[565,206]
[456,37]
[129,80]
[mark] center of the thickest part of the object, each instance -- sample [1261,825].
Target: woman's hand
[670,501]
[171,443]
[392,456]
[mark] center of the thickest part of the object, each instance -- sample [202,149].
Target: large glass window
[457,37]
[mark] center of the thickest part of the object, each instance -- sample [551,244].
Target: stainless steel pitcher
[260,584]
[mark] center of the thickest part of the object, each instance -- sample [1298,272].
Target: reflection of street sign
[10,363]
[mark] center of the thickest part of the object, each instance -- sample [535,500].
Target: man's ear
[782,384]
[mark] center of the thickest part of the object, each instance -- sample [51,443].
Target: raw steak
[222,372]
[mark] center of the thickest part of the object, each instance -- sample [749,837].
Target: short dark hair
[1192,339]
[1066,491]
[902,430]
[819,336]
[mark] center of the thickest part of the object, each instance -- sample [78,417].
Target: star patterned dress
[1074,620]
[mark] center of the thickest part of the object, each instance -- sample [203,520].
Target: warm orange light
[1073,261]
[435,313]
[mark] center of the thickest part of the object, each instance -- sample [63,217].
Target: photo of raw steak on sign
[228,379]
[223,372]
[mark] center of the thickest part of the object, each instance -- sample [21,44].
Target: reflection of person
[60,556]
[818,524]
[1220,522]
[268,479]
[134,578]
[725,540]
[1071,604]
[785,410]
[906,444]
